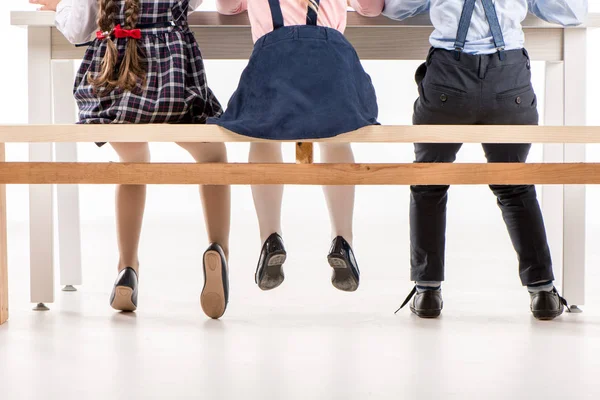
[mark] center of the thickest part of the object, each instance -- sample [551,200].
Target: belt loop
[325,31]
[482,65]
[263,41]
[430,55]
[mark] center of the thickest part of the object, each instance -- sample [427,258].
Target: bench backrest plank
[370,134]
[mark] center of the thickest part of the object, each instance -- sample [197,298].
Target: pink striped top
[332,13]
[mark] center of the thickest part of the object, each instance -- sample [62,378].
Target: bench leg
[69,234]
[575,56]
[3,250]
[304,153]
[41,223]
[41,233]
[553,195]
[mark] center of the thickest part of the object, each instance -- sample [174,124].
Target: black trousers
[476,90]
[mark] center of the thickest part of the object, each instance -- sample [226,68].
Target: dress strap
[276,14]
[465,23]
[312,15]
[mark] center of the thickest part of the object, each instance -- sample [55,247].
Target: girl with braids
[144,66]
[304,81]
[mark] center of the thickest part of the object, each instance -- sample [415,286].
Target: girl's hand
[47,5]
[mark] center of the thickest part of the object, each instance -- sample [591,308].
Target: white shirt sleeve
[194,4]
[76,19]
[403,9]
[563,12]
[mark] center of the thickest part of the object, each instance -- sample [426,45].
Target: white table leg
[574,199]
[69,236]
[41,223]
[553,195]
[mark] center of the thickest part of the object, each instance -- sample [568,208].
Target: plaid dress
[175,90]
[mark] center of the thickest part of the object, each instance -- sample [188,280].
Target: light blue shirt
[445,15]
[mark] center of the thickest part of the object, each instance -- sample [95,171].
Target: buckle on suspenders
[501,53]
[457,52]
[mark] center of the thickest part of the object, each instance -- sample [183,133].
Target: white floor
[302,341]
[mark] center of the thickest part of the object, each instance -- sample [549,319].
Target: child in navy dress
[304,81]
[144,66]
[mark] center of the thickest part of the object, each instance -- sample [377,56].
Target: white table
[50,81]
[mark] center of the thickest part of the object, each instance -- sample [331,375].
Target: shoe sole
[547,315]
[212,298]
[428,314]
[122,300]
[273,276]
[343,278]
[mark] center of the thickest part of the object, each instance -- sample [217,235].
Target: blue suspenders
[277,15]
[465,23]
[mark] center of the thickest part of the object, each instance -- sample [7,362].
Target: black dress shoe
[547,305]
[269,271]
[215,293]
[425,304]
[346,275]
[125,292]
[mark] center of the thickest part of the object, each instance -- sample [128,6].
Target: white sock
[542,286]
[423,286]
[340,199]
[267,198]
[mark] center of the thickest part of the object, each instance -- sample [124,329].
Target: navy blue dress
[302,82]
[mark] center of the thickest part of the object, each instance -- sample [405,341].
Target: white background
[381,212]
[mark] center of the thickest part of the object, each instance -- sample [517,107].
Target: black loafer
[346,275]
[547,305]
[425,304]
[269,271]
[125,292]
[215,293]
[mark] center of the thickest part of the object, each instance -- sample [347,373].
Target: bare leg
[130,203]
[340,199]
[216,200]
[267,198]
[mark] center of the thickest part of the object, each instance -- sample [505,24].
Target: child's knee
[336,152]
[206,152]
[265,152]
[335,147]
[132,152]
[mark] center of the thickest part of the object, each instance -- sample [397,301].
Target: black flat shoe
[546,306]
[215,293]
[269,271]
[425,304]
[346,275]
[125,293]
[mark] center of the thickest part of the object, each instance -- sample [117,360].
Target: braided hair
[132,68]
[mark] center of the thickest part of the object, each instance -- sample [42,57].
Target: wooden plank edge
[299,174]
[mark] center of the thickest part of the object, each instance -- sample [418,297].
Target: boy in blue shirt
[478,73]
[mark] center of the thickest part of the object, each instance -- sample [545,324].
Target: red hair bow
[120,33]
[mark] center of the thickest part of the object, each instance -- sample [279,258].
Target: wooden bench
[304,172]
[227,38]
